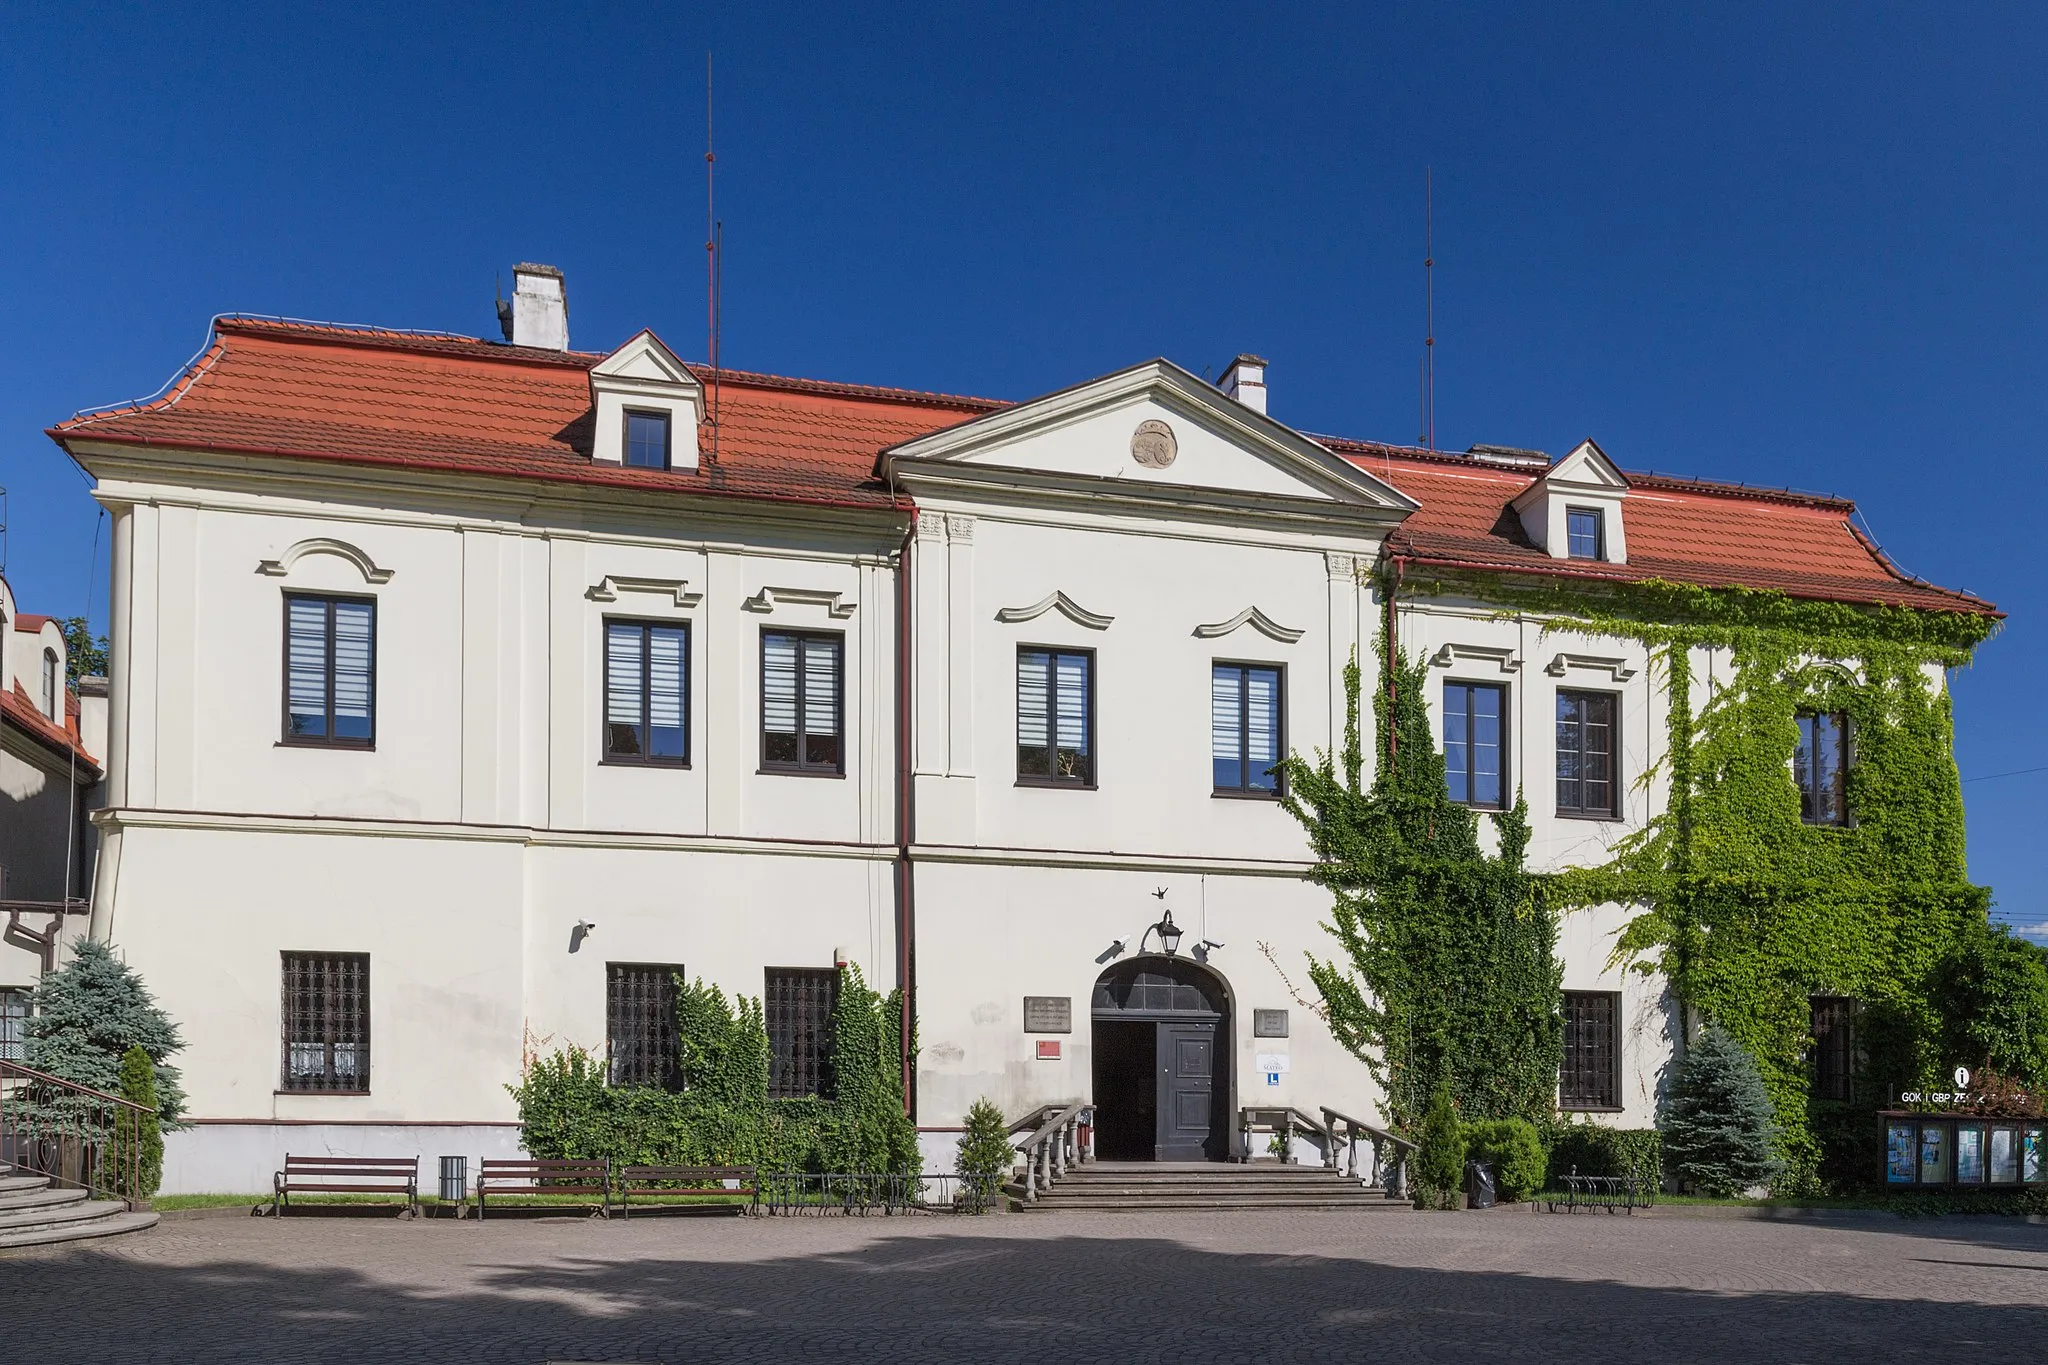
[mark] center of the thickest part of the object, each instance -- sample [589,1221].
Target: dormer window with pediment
[1574,511]
[646,406]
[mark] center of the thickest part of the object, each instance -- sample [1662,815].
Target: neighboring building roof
[21,713]
[1715,535]
[28,623]
[459,404]
[463,405]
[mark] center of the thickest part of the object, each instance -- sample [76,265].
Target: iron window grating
[326,1023]
[799,1005]
[640,1024]
[1591,1074]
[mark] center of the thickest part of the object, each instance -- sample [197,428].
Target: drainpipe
[906,826]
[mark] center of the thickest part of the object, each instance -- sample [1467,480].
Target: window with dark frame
[1590,1077]
[50,685]
[13,1025]
[802,696]
[647,440]
[1475,748]
[330,671]
[1821,767]
[798,1004]
[1585,533]
[640,1024]
[326,1022]
[1585,754]
[1245,728]
[1833,1020]
[1056,717]
[646,693]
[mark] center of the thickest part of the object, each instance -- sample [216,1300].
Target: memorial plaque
[1269,1023]
[1048,1014]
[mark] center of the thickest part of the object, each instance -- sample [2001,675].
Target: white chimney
[539,312]
[1245,380]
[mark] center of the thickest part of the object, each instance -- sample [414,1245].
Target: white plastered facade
[463,850]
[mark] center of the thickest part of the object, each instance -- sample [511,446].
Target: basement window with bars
[13,1026]
[330,662]
[1833,1019]
[799,1003]
[327,1023]
[640,1024]
[1591,1075]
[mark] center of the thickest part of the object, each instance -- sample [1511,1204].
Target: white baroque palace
[461,691]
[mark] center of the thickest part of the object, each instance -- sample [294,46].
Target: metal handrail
[1052,1147]
[1383,1172]
[72,1134]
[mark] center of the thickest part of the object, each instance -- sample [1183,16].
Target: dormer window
[1585,531]
[647,440]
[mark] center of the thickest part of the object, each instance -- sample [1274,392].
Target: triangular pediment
[1150,426]
[647,360]
[1588,467]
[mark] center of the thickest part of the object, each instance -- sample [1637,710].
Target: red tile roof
[458,404]
[1682,530]
[17,710]
[461,405]
[29,623]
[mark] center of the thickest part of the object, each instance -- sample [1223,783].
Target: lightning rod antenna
[711,244]
[1429,305]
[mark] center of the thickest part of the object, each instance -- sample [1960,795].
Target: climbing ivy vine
[1747,911]
[1447,976]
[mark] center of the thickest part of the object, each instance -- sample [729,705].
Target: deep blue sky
[1769,243]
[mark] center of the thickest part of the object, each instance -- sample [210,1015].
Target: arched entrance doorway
[1160,1037]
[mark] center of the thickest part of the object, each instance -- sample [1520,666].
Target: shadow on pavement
[958,1297]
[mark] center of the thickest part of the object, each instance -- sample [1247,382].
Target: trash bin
[454,1179]
[1479,1184]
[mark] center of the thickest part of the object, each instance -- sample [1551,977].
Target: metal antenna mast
[712,236]
[1429,314]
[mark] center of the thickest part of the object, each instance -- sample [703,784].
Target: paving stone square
[1177,1289]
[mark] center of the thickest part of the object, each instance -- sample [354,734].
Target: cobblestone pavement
[1179,1289]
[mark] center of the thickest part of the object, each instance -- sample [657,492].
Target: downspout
[906,827]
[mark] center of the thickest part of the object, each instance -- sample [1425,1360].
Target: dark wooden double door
[1157,1096]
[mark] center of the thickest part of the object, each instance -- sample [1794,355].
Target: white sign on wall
[1272,1062]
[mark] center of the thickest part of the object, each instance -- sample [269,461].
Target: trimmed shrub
[1515,1148]
[1720,1135]
[1440,1153]
[140,1133]
[985,1148]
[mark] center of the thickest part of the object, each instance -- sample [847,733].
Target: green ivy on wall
[1448,974]
[1749,912]
[722,1115]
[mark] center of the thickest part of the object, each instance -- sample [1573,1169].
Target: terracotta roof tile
[458,404]
[18,710]
[28,623]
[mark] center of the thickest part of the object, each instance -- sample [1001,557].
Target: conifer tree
[143,1131]
[1719,1132]
[87,1014]
[1440,1153]
[985,1148]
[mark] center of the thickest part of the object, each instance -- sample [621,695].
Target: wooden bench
[667,1182]
[398,1177]
[545,1177]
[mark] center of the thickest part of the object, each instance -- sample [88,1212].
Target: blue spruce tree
[1720,1135]
[87,1015]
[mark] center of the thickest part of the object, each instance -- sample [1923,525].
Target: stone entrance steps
[33,1212]
[1161,1186]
